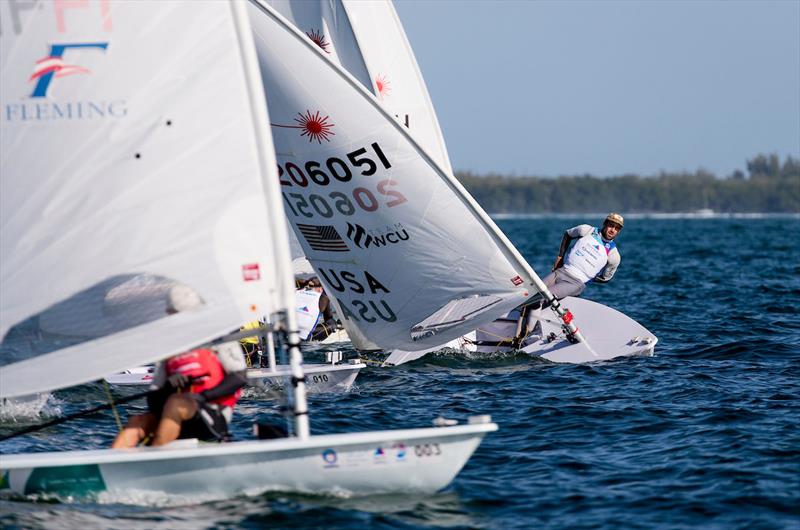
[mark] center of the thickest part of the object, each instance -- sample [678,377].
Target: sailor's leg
[179,408]
[562,284]
[137,429]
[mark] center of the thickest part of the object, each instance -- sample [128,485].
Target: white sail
[410,256]
[367,39]
[131,157]
[325,23]
[396,79]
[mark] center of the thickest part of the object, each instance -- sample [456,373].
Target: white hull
[609,333]
[319,377]
[413,460]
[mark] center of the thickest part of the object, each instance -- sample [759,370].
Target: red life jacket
[207,372]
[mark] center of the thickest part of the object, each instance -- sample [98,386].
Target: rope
[113,406]
[502,338]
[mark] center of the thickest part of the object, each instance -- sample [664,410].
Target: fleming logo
[53,65]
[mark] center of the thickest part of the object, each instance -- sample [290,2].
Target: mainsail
[396,78]
[366,38]
[132,161]
[410,256]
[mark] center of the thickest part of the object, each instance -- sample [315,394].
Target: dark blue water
[705,434]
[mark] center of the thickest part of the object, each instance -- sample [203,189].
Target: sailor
[593,257]
[327,324]
[251,345]
[193,393]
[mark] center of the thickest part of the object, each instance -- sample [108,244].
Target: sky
[609,87]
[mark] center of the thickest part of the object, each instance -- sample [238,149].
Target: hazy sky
[604,87]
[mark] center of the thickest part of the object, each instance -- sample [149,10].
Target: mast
[277,220]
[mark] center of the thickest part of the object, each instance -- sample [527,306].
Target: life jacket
[588,256]
[205,370]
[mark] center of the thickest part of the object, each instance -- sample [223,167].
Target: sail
[132,162]
[366,38]
[325,23]
[396,79]
[411,258]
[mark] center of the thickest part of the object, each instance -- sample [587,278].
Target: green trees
[769,187]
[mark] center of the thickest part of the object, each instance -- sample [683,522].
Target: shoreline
[652,215]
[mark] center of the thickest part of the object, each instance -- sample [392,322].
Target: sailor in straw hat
[593,257]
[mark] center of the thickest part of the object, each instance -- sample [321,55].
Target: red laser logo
[314,126]
[383,85]
[319,39]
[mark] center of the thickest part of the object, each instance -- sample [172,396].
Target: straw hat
[615,218]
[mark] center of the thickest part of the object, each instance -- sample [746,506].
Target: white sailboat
[117,173]
[412,259]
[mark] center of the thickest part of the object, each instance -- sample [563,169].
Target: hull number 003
[427,450]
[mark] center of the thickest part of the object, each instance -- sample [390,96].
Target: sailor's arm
[229,384]
[608,271]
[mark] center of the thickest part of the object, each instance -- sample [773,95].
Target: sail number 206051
[364,198]
[293,175]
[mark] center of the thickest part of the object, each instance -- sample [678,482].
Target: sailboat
[412,259]
[118,173]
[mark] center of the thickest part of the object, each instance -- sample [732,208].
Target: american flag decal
[323,237]
[516,280]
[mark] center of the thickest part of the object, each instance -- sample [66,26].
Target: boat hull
[413,460]
[610,335]
[319,377]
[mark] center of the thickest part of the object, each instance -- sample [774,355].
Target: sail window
[110,306]
[454,313]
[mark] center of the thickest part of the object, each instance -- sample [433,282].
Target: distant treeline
[768,186]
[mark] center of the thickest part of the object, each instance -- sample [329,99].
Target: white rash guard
[591,256]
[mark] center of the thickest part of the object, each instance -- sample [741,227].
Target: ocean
[702,435]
